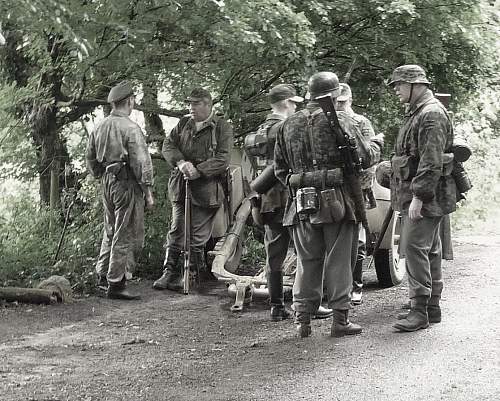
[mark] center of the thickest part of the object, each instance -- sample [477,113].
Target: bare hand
[188,170]
[150,200]
[414,212]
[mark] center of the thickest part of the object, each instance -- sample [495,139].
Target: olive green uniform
[117,153]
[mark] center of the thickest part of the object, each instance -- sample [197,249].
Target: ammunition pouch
[320,179]
[332,202]
[404,167]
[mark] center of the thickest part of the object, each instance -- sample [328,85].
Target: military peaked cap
[119,92]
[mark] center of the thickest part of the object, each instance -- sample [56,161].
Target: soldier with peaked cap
[199,150]
[371,146]
[319,209]
[117,154]
[422,190]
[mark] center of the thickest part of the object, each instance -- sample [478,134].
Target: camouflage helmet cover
[409,73]
[322,84]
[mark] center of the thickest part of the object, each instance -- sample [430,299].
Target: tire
[390,268]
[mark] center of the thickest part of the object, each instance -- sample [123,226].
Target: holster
[119,170]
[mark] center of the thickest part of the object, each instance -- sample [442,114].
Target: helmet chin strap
[411,93]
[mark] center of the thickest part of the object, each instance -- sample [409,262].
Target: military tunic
[325,247]
[209,150]
[117,153]
[421,168]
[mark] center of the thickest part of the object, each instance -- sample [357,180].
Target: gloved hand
[414,212]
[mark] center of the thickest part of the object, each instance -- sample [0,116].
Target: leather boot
[303,321]
[171,278]
[433,314]
[341,325]
[323,313]
[276,299]
[417,318]
[119,291]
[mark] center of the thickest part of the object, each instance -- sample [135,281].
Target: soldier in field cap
[422,190]
[198,149]
[117,154]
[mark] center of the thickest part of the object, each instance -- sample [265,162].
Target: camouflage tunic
[294,154]
[117,152]
[420,165]
[209,149]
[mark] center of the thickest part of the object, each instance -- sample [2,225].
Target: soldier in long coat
[422,190]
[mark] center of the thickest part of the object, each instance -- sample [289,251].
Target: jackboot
[341,325]
[119,291]
[303,321]
[171,278]
[276,299]
[417,318]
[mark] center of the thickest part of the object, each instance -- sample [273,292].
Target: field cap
[283,92]
[119,92]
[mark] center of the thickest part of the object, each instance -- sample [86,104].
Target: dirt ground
[174,347]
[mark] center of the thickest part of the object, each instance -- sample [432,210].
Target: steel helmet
[409,73]
[323,83]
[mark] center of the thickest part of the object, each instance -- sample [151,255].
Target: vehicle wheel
[390,267]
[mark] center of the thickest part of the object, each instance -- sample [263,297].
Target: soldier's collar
[276,116]
[118,113]
[423,99]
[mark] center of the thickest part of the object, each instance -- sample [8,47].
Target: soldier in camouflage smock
[117,153]
[423,190]
[198,149]
[370,146]
[307,159]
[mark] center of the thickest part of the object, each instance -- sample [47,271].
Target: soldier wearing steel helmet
[422,190]
[319,210]
[117,153]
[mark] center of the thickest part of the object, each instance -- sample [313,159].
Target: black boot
[417,318]
[171,278]
[276,299]
[341,325]
[119,291]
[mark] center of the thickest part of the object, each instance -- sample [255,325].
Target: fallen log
[30,295]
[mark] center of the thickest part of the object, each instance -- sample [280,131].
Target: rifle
[352,162]
[187,236]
